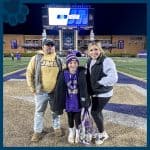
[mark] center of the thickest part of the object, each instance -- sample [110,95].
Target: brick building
[126,44]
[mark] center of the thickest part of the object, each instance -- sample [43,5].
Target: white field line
[13,72]
[135,87]
[133,76]
[125,119]
[16,79]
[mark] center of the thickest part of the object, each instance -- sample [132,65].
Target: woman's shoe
[101,137]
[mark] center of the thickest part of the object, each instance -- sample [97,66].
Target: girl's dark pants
[74,117]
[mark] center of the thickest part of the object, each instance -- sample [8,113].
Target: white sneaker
[101,137]
[77,136]
[71,135]
[105,135]
[94,135]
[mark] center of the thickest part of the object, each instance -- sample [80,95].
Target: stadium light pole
[44,34]
[92,35]
[60,41]
[76,39]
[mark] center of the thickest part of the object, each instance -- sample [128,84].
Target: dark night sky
[108,19]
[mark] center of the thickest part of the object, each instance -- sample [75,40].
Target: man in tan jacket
[41,76]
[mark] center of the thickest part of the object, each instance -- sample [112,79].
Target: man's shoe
[36,137]
[58,132]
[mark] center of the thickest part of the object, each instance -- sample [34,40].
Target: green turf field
[9,65]
[134,66]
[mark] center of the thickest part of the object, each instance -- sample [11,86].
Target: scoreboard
[69,17]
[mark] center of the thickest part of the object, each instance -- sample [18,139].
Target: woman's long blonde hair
[98,45]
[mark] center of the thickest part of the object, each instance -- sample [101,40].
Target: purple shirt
[72,100]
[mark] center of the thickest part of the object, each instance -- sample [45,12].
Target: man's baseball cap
[48,42]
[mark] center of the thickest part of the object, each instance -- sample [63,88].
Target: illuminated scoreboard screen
[68,16]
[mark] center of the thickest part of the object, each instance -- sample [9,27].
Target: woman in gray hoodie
[101,75]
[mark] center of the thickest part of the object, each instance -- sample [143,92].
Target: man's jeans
[41,101]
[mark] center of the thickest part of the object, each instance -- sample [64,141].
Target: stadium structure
[68,22]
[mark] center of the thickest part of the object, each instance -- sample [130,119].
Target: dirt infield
[18,116]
